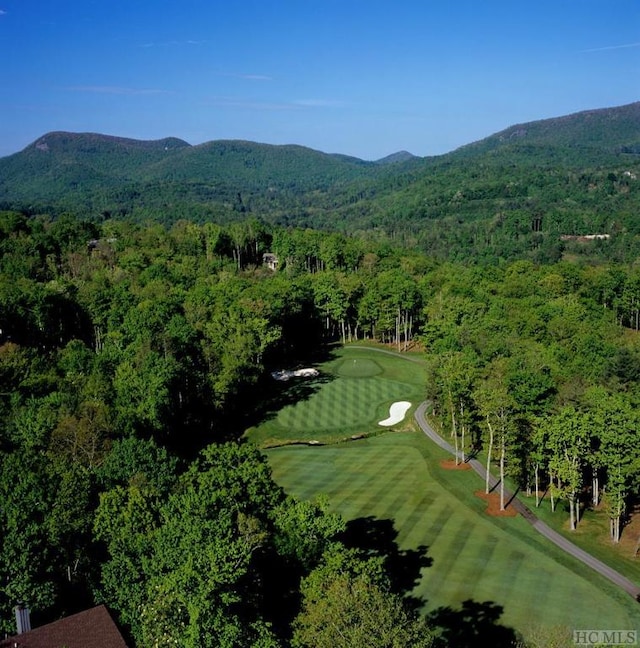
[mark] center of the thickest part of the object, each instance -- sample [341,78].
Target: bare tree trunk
[462,430]
[405,321]
[571,517]
[98,338]
[616,521]
[454,427]
[502,457]
[490,450]
[537,485]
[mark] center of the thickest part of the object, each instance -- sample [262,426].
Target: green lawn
[592,535]
[395,476]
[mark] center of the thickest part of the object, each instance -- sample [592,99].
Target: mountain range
[574,174]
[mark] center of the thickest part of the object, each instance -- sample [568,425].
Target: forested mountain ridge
[100,159]
[512,194]
[516,193]
[95,175]
[394,158]
[607,129]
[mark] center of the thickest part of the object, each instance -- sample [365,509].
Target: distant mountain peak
[63,140]
[400,156]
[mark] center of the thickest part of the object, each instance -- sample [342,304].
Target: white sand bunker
[397,412]
[286,374]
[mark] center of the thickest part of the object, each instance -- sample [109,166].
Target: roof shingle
[92,628]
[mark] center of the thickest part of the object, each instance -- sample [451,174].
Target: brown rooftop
[92,628]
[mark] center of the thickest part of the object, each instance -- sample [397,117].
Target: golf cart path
[559,540]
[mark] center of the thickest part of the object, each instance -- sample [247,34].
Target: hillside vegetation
[513,194]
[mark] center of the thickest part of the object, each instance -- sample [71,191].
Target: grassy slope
[592,535]
[396,476]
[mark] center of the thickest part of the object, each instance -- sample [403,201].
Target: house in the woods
[584,238]
[270,260]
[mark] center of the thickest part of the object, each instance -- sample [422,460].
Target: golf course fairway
[394,475]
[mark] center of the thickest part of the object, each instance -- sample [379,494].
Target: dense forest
[133,356]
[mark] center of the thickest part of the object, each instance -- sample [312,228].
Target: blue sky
[359,77]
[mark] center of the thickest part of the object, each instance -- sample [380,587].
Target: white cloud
[246,77]
[172,43]
[298,104]
[255,77]
[612,47]
[230,102]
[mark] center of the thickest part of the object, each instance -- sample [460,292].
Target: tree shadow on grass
[260,399]
[264,400]
[378,538]
[474,624]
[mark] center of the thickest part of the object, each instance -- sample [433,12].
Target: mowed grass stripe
[374,489]
[481,570]
[407,517]
[342,403]
[484,555]
[447,581]
[514,561]
[448,547]
[434,526]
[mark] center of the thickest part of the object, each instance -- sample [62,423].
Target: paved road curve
[564,544]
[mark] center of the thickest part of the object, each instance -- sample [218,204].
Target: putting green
[358,368]
[353,394]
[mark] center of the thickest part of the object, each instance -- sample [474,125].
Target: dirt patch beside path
[493,505]
[450,464]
